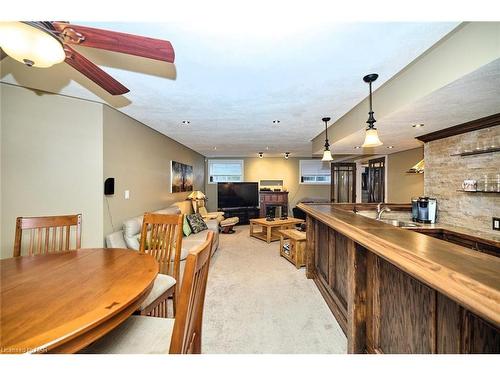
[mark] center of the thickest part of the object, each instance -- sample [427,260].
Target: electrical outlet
[127,194]
[496,223]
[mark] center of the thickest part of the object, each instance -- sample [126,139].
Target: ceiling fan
[45,43]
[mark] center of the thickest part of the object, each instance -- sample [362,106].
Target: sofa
[129,236]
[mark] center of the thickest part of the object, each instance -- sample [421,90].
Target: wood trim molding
[481,123]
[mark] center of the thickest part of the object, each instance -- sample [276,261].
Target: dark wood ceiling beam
[481,123]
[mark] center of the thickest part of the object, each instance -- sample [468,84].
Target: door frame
[332,180]
[382,160]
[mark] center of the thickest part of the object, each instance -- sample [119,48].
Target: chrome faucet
[381,210]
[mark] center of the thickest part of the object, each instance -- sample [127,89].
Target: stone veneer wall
[444,175]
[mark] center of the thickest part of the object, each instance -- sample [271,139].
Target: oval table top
[62,302]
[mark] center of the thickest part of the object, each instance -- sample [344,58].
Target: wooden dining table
[62,302]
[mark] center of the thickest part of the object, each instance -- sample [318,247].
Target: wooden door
[343,185]
[376,180]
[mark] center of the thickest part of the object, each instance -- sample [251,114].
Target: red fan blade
[156,49]
[93,72]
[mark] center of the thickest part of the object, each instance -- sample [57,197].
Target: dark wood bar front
[393,290]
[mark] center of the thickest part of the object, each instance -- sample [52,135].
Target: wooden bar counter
[393,290]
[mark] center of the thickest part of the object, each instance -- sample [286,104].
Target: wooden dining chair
[48,234]
[152,335]
[161,237]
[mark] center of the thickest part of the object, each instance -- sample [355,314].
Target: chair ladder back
[47,234]
[161,236]
[186,336]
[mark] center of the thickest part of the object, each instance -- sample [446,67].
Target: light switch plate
[127,194]
[496,223]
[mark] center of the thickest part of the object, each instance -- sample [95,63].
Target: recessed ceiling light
[185,122]
[215,148]
[276,122]
[418,125]
[267,148]
[261,155]
[357,147]
[390,146]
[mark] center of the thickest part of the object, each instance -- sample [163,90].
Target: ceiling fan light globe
[371,138]
[327,156]
[25,43]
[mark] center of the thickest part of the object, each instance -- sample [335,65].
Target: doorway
[343,186]
[376,180]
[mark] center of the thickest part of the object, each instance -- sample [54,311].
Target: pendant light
[327,154]
[371,136]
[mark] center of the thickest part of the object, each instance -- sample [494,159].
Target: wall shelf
[478,152]
[478,191]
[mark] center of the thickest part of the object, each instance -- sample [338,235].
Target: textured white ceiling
[473,96]
[230,83]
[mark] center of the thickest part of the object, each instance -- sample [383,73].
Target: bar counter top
[469,277]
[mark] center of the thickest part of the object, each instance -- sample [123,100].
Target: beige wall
[402,186]
[139,157]
[257,169]
[51,161]
[444,175]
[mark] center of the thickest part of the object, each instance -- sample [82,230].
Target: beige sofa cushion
[172,210]
[131,228]
[137,335]
[186,207]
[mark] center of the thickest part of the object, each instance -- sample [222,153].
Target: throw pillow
[185,227]
[196,223]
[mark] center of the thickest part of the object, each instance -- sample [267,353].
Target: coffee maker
[424,210]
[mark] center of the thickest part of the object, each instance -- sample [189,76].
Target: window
[315,172]
[225,171]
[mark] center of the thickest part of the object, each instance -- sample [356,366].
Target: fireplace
[274,211]
[276,201]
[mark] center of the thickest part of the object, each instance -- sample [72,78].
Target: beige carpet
[258,302]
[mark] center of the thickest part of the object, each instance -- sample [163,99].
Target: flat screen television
[237,194]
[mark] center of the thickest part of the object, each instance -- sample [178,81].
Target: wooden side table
[293,246]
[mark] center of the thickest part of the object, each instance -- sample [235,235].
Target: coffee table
[269,231]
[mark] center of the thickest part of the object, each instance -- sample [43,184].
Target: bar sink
[397,223]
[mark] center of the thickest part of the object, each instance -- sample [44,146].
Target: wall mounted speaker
[109,186]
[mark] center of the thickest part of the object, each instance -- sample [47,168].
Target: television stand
[242,213]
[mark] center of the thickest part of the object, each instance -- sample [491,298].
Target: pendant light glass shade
[371,138]
[30,45]
[327,156]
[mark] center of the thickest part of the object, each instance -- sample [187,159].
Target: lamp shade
[195,195]
[371,138]
[327,156]
[30,45]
